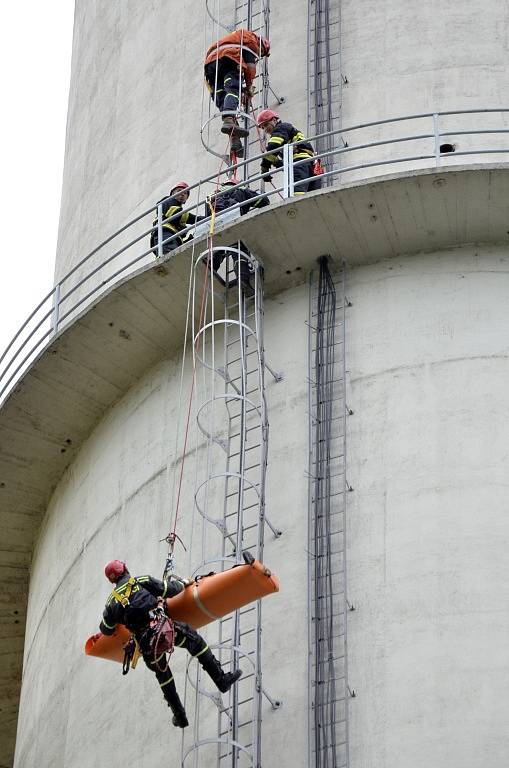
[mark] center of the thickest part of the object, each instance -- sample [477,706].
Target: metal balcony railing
[427,140]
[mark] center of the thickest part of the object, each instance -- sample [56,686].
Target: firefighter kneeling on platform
[173,226]
[232,194]
[306,175]
[137,602]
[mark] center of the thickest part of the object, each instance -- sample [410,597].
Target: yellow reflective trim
[299,136]
[202,651]
[179,645]
[299,193]
[184,217]
[276,140]
[271,158]
[166,683]
[160,657]
[110,626]
[165,587]
[143,578]
[301,155]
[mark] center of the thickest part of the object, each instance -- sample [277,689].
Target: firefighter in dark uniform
[131,603]
[171,207]
[280,133]
[229,195]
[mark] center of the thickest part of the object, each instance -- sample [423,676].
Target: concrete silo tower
[374,344]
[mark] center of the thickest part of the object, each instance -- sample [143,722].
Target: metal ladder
[328,605]
[253,15]
[232,417]
[325,78]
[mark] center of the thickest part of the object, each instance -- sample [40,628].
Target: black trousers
[245,268]
[305,171]
[228,83]
[185,637]
[168,246]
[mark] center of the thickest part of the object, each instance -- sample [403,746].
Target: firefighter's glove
[180,580]
[266,176]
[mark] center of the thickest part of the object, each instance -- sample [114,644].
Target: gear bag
[318,168]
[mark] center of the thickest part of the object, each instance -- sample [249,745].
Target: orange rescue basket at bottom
[205,600]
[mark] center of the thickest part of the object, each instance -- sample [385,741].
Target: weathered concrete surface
[428,361]
[114,500]
[137,104]
[103,353]
[133,127]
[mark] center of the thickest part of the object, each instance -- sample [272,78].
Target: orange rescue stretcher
[207,599]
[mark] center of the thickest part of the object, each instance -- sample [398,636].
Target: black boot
[223,680]
[179,718]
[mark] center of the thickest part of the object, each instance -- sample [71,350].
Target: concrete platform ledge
[93,361]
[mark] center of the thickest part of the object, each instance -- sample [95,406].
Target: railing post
[287,170]
[436,132]
[56,308]
[159,230]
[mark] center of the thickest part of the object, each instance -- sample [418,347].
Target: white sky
[35,60]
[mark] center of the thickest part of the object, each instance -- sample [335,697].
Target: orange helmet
[265,115]
[114,570]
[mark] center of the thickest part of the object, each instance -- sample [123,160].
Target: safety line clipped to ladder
[172,536]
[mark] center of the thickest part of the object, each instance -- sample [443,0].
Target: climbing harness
[123,598]
[132,653]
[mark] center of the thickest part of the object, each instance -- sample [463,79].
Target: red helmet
[183,185]
[266,115]
[114,570]
[265,46]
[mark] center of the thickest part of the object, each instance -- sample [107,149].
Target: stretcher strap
[200,605]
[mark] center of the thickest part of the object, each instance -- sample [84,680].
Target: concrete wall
[427,358]
[427,455]
[137,104]
[115,502]
[137,100]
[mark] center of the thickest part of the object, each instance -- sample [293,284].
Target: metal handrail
[34,334]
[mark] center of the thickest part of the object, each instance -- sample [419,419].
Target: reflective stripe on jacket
[142,598]
[286,133]
[171,207]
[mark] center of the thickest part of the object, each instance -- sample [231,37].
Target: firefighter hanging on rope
[137,602]
[230,69]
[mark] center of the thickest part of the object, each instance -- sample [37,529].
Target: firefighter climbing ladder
[232,417]
[328,606]
[226,16]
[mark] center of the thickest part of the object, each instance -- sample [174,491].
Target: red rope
[196,347]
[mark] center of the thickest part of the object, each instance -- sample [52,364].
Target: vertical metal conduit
[328,684]
[324,75]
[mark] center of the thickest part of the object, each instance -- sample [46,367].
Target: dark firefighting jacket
[171,207]
[286,133]
[139,595]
